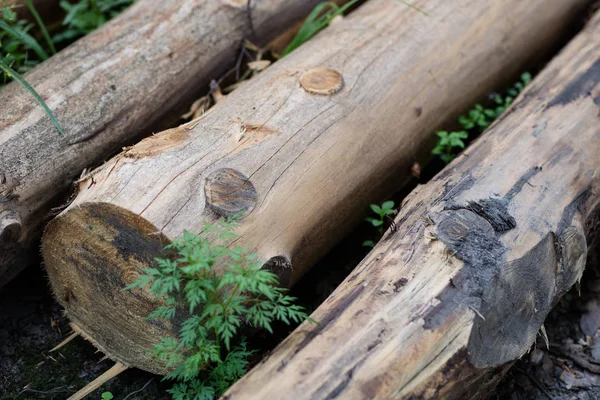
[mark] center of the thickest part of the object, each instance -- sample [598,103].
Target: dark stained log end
[459,371]
[91,253]
[229,192]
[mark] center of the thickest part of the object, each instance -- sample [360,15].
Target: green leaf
[32,91]
[376,209]
[41,24]
[27,40]
[8,14]
[315,22]
[107,396]
[376,222]
[387,205]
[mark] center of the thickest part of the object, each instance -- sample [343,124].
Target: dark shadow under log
[443,305]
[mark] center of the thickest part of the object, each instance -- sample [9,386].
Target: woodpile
[461,287]
[133,76]
[306,145]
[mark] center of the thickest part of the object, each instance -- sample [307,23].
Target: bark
[301,165]
[121,82]
[445,303]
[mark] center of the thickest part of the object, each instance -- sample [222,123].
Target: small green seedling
[210,353]
[447,143]
[382,212]
[476,121]
[107,396]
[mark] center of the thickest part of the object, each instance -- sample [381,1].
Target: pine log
[302,149]
[123,81]
[459,290]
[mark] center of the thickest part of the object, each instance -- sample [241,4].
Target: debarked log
[461,287]
[127,79]
[301,150]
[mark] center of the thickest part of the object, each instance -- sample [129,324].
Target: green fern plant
[210,353]
[86,16]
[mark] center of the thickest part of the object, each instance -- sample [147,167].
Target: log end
[91,253]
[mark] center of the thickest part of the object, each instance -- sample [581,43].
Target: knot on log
[229,192]
[323,81]
[10,226]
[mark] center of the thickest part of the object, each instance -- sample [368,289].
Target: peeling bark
[444,305]
[131,77]
[302,165]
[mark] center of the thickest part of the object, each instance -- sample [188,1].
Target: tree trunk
[129,78]
[302,149]
[444,304]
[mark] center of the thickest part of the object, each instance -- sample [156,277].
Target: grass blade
[25,38]
[315,23]
[41,24]
[413,7]
[4,67]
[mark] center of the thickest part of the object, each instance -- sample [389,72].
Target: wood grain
[131,77]
[314,161]
[441,307]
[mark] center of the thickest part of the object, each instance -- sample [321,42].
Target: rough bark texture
[303,166]
[127,79]
[444,304]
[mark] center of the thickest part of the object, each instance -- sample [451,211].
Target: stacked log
[131,77]
[301,150]
[446,302]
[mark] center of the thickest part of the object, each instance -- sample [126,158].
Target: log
[133,76]
[444,304]
[302,149]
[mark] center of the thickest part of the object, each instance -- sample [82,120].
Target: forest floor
[32,323]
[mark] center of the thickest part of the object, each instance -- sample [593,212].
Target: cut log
[444,304]
[302,149]
[121,82]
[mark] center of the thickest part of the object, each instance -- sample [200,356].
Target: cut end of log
[323,81]
[92,252]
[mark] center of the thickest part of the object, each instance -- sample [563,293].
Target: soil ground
[32,323]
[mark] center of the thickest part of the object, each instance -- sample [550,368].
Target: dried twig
[137,391]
